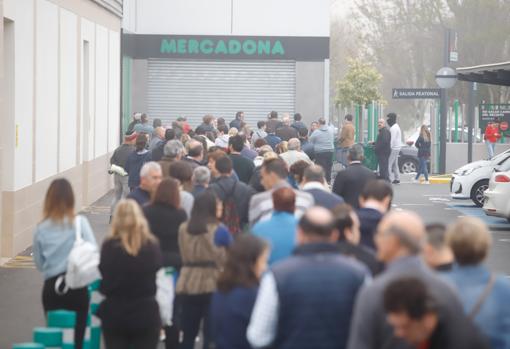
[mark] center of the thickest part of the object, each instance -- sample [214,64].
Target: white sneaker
[426,182]
[414,180]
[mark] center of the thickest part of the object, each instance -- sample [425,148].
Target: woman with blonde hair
[423,144]
[282,147]
[233,132]
[53,241]
[130,259]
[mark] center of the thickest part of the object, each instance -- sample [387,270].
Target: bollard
[95,286]
[50,337]
[27,346]
[61,319]
[65,320]
[95,337]
[93,308]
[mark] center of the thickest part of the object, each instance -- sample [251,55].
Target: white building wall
[68,89]
[129,15]
[18,173]
[101,91]
[226,17]
[47,98]
[46,91]
[113,90]
[281,17]
[42,116]
[87,118]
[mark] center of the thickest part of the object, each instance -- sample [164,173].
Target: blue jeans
[422,169]
[491,147]
[341,156]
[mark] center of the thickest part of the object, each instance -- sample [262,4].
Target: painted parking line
[473,211]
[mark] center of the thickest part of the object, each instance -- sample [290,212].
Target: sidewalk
[21,284]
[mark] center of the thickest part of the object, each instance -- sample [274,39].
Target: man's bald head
[405,220]
[195,149]
[400,233]
[160,132]
[317,224]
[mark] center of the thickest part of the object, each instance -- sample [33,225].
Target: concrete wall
[456,154]
[227,17]
[52,126]
[309,90]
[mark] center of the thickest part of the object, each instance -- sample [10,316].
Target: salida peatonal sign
[416,93]
[225,47]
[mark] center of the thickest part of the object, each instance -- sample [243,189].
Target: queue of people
[275,260]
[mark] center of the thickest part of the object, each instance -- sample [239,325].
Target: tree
[360,85]
[483,28]
[404,40]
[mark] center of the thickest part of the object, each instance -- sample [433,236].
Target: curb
[439,180]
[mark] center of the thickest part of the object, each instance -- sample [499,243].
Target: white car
[471,180]
[497,197]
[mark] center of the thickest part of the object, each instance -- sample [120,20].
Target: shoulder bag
[82,263]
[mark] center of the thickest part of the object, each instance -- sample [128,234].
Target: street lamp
[445,78]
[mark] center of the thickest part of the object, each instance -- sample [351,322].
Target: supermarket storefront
[191,75]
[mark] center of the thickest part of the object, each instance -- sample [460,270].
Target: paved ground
[20,284]
[433,204]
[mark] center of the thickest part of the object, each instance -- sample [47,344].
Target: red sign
[503,126]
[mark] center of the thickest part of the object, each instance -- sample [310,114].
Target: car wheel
[408,166]
[478,190]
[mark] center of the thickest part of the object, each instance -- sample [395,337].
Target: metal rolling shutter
[221,88]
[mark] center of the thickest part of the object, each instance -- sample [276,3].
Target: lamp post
[445,79]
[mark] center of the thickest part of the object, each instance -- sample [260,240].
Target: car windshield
[498,159]
[504,165]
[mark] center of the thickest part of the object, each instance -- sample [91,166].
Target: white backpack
[82,263]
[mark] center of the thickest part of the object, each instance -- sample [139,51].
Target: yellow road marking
[20,262]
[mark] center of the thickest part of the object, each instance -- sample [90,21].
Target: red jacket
[492,133]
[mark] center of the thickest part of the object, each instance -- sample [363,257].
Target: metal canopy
[493,74]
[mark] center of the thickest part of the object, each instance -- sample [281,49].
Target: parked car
[408,159]
[472,180]
[463,134]
[497,196]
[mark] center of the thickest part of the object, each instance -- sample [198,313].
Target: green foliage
[360,85]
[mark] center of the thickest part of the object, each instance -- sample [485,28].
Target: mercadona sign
[141,46]
[222,47]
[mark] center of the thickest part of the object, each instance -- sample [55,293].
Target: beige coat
[347,135]
[202,261]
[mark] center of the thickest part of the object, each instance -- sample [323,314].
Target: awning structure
[493,74]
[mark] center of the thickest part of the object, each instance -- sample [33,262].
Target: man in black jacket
[157,153]
[383,149]
[375,202]
[350,182]
[348,225]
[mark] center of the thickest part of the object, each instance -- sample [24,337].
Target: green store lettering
[222,47]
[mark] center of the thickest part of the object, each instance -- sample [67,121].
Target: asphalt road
[433,203]
[21,284]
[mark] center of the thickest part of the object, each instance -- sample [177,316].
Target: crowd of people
[267,250]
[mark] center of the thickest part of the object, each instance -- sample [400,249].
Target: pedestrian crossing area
[20,262]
